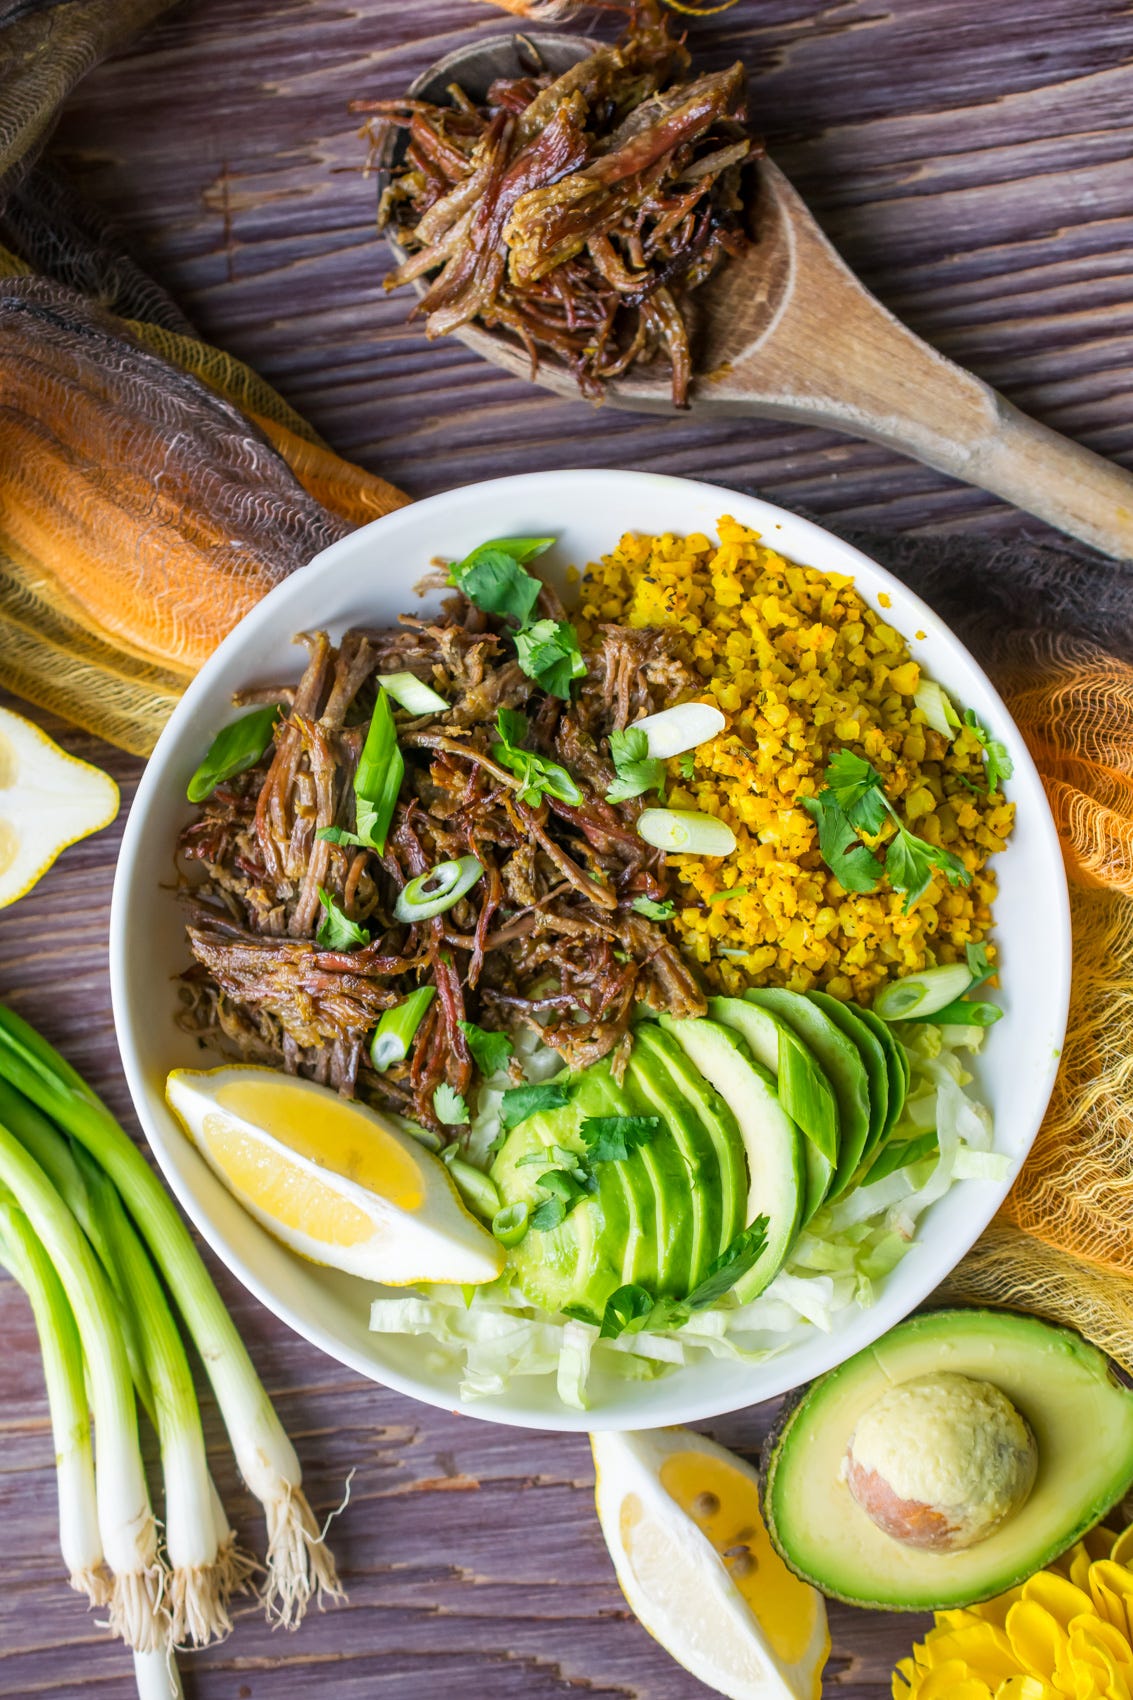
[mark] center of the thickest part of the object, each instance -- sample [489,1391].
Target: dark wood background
[972,161]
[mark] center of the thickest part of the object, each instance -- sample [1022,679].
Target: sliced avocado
[1081,1418]
[897,1068]
[658,1171]
[719,1181]
[583,1260]
[804,1091]
[840,1061]
[849,1018]
[773,1143]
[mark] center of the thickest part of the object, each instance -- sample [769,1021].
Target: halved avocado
[840,1061]
[1081,1418]
[772,1142]
[804,1091]
[707,1108]
[849,1018]
[582,1261]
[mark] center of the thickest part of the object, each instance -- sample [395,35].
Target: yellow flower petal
[1057,1596]
[1122,1547]
[1111,1592]
[952,1681]
[1026,1688]
[1037,1639]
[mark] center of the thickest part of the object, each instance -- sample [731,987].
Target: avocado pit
[940,1461]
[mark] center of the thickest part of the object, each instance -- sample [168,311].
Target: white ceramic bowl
[369,578]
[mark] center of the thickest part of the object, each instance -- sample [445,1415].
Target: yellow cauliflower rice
[801,667]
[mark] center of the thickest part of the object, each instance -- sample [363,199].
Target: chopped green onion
[962,1012]
[510,1224]
[683,727]
[397,1028]
[378,779]
[936,706]
[299,1563]
[412,693]
[433,892]
[476,1188]
[924,993]
[732,891]
[234,750]
[685,832]
[652,910]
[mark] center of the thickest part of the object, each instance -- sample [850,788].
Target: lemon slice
[48,800]
[337,1182]
[682,1521]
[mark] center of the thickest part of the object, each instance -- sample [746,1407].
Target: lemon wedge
[682,1521]
[48,800]
[334,1180]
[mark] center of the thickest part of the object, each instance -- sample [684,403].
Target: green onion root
[62,1354]
[157,1677]
[125,1516]
[299,1564]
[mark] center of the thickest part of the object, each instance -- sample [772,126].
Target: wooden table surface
[973,163]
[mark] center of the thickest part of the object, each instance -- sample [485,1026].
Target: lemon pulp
[724,1505]
[291,1196]
[334,1135]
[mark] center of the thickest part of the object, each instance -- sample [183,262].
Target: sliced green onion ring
[412,693]
[936,706]
[433,892]
[685,832]
[397,1028]
[922,994]
[683,727]
[510,1224]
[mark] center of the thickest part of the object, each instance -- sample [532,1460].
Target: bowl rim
[769,519]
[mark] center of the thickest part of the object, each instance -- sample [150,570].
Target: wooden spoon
[788,332]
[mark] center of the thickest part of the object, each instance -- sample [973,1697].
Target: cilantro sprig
[631,1309]
[999,765]
[336,930]
[490,1051]
[854,801]
[637,771]
[492,577]
[449,1106]
[571,1179]
[538,776]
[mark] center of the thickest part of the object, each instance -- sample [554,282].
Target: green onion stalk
[299,1564]
[125,1517]
[62,1353]
[207,1566]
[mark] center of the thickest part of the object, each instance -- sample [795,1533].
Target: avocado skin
[792,1413]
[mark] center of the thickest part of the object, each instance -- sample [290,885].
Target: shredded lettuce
[841,1259]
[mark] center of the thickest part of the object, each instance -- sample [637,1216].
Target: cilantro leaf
[857,789]
[732,1264]
[652,910]
[548,652]
[448,1106]
[490,1051]
[854,866]
[999,763]
[978,965]
[537,775]
[612,1138]
[547,1215]
[336,930]
[492,576]
[687,764]
[564,1184]
[625,1308]
[523,1101]
[636,769]
[338,835]
[910,863]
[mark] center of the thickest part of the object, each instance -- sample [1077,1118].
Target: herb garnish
[999,763]
[336,930]
[492,576]
[631,1309]
[538,776]
[637,771]
[611,1138]
[523,1101]
[490,1051]
[687,764]
[854,801]
[652,910]
[234,750]
[964,1011]
[448,1106]
[548,652]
